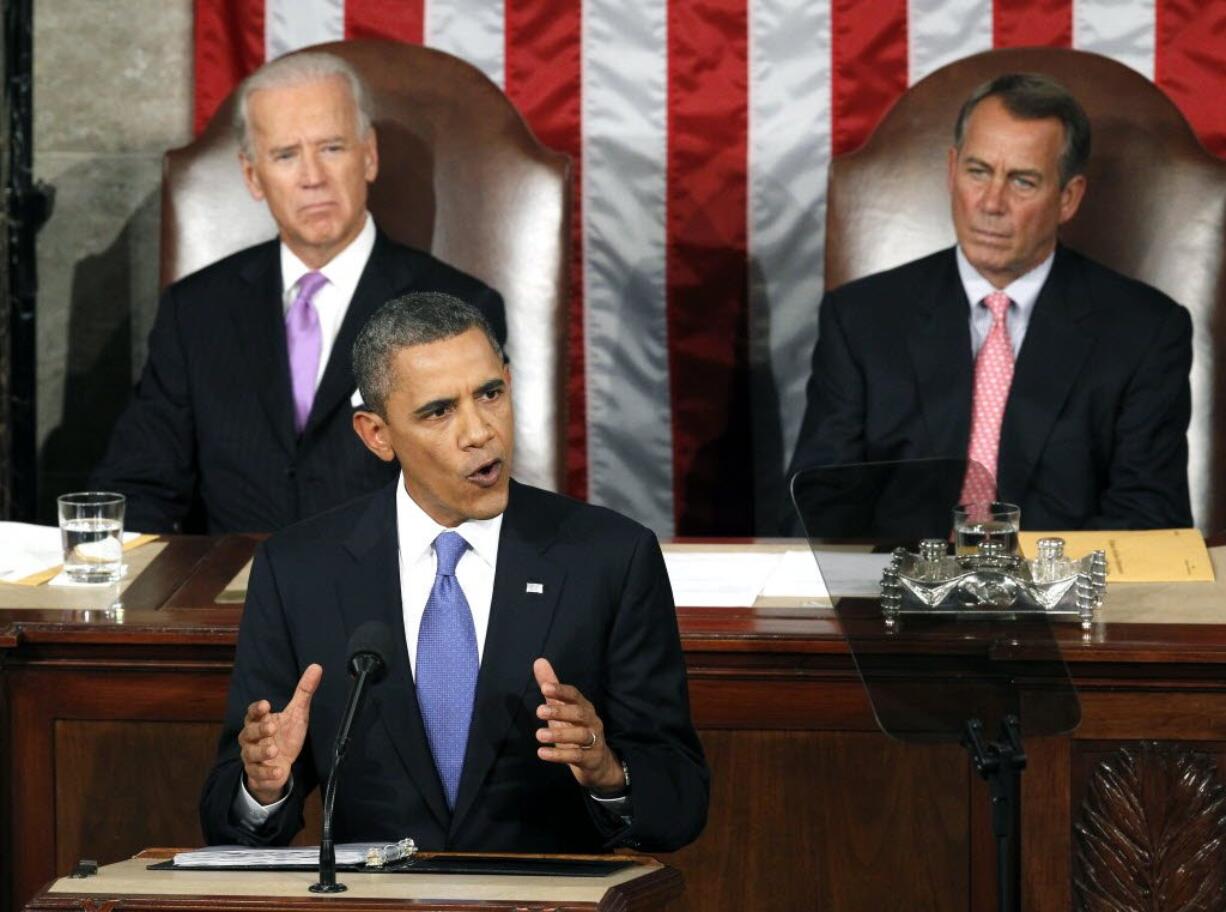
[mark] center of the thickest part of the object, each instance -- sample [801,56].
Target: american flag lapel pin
[535,589]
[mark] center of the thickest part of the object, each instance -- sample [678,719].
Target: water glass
[91,527]
[979,522]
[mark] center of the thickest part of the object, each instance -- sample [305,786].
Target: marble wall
[112,92]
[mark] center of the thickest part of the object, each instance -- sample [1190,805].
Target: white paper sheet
[26,549]
[795,576]
[719,579]
[241,857]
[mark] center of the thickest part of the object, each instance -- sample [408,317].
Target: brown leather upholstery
[1155,209]
[460,175]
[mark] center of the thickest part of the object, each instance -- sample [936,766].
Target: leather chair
[1155,209]
[460,175]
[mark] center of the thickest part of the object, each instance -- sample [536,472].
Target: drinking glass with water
[91,527]
[975,523]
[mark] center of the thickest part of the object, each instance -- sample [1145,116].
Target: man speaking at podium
[535,698]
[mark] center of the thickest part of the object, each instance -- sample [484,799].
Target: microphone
[369,648]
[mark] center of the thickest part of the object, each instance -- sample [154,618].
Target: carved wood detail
[1151,835]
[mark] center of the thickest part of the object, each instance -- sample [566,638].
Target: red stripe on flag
[1188,63]
[229,45]
[401,20]
[708,122]
[543,80]
[1032,23]
[868,66]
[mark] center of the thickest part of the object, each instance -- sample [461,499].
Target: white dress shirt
[331,302]
[1023,292]
[416,533]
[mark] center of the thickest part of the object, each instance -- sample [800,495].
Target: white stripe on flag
[1121,29]
[789,151]
[625,95]
[942,31]
[293,24]
[473,30]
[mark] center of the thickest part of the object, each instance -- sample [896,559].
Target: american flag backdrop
[701,131]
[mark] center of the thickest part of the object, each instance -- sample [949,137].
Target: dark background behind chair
[1155,209]
[460,175]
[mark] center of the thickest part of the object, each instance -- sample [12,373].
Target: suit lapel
[940,344]
[382,278]
[1058,338]
[261,332]
[519,622]
[369,587]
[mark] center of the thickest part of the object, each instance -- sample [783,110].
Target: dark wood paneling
[121,786]
[848,821]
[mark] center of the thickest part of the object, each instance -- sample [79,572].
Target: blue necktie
[447,665]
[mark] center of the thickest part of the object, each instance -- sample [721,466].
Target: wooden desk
[645,887]
[111,722]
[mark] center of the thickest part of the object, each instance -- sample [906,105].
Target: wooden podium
[812,807]
[646,886]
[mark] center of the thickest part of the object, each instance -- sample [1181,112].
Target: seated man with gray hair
[243,409]
[1066,380]
[535,698]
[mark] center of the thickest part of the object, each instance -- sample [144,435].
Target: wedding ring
[590,744]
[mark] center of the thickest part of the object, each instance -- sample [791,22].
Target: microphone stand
[365,664]
[1001,762]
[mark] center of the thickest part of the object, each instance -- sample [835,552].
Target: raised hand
[271,741]
[574,734]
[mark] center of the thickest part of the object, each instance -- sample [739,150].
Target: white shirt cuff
[250,813]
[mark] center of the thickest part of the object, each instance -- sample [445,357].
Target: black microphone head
[369,649]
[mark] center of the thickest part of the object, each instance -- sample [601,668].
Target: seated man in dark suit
[243,408]
[1067,381]
[496,593]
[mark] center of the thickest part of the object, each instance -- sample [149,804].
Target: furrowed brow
[433,406]
[490,386]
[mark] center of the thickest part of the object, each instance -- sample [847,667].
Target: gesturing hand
[575,734]
[270,742]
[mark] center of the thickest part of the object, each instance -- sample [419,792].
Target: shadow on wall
[99,364]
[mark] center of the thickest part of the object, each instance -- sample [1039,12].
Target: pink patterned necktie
[304,343]
[993,376]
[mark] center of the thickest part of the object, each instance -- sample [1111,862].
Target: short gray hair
[296,70]
[1035,96]
[417,318]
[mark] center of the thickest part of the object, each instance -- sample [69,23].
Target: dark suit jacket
[1094,432]
[211,423]
[605,620]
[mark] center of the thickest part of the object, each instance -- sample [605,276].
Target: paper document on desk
[718,579]
[1148,556]
[30,555]
[736,579]
[351,853]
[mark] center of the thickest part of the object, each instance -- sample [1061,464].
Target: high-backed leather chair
[1155,209]
[460,175]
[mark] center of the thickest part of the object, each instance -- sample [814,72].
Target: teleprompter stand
[938,676]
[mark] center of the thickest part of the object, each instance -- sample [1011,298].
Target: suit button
[291,473]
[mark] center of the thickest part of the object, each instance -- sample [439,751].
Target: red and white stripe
[701,132]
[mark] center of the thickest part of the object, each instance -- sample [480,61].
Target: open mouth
[487,473]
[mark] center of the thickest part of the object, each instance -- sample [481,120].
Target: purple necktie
[304,342]
[446,672]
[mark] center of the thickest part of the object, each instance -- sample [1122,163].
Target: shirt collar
[342,271]
[1022,291]
[416,531]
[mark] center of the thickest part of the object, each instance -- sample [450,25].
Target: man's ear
[372,431]
[250,177]
[1071,196]
[371,152]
